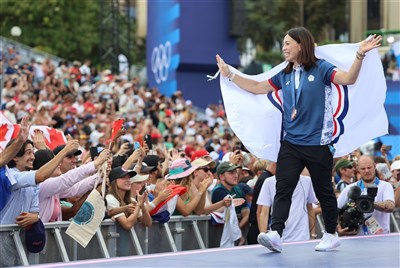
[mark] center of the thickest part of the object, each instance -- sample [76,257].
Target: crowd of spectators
[200,161]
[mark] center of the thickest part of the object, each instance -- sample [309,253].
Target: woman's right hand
[224,68]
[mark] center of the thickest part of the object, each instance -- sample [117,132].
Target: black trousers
[291,161]
[252,234]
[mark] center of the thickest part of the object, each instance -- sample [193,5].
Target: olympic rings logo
[160,61]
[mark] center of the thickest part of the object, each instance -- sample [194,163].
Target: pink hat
[180,168]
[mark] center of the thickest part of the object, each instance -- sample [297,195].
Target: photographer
[369,223]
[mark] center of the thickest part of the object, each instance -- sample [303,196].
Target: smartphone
[136,145]
[388,147]
[141,191]
[93,152]
[147,139]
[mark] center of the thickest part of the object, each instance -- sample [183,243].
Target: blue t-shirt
[313,123]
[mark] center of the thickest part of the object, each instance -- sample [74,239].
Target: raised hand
[104,156]
[224,68]
[39,140]
[71,146]
[370,43]
[24,130]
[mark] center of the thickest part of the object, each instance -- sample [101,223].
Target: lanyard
[362,185]
[295,93]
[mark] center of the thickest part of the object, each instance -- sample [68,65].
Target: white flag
[359,113]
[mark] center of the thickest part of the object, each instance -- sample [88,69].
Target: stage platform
[368,251]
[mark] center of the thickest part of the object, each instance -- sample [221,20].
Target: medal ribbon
[295,93]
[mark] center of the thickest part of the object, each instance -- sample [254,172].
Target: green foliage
[267,21]
[69,29]
[331,15]
[272,57]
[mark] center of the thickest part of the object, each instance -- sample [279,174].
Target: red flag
[52,136]
[56,138]
[17,127]
[177,190]
[6,131]
[117,125]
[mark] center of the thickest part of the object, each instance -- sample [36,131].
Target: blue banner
[163,37]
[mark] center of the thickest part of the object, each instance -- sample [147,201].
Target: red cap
[198,154]
[156,135]
[168,112]
[189,151]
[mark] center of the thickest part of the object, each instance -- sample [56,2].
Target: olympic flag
[359,113]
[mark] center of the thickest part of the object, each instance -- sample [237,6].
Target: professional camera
[352,215]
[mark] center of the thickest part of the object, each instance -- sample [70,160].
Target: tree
[268,20]
[68,29]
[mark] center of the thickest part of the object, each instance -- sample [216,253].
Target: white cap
[395,165]
[139,178]
[10,104]
[128,85]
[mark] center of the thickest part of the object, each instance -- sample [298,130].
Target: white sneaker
[328,242]
[270,240]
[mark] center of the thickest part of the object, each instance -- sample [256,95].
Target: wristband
[360,56]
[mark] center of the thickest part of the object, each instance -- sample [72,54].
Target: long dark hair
[307,54]
[125,200]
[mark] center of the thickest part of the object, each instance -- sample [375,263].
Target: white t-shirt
[112,202]
[297,225]
[385,192]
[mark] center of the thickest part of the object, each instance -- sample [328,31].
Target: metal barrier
[111,240]
[180,233]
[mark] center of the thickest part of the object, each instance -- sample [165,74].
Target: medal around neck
[294,113]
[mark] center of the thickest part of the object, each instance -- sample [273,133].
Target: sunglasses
[349,167]
[205,169]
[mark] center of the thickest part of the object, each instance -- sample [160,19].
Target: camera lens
[365,206]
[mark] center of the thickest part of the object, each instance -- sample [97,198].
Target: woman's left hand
[370,43]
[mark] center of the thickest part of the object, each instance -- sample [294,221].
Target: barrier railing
[111,240]
[180,233]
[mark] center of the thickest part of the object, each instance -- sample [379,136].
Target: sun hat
[200,162]
[180,168]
